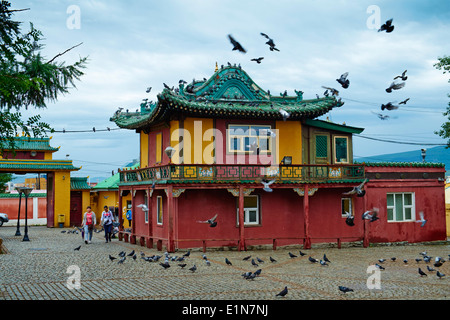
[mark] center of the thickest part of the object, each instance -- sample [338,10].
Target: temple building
[271,172]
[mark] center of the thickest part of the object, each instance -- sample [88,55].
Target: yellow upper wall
[289,140]
[199,130]
[144,149]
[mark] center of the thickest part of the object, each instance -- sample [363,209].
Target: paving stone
[37,270]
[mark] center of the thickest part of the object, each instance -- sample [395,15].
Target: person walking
[89,221]
[107,222]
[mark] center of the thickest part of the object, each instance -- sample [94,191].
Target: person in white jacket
[89,221]
[107,222]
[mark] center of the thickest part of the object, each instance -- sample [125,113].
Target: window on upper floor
[245,139]
[341,149]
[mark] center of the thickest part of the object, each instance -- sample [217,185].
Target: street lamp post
[27,192]
[19,189]
[424,153]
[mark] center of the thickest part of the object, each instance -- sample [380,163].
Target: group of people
[89,221]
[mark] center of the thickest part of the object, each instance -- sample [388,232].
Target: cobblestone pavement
[38,270]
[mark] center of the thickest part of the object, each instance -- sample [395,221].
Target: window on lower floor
[346,206]
[146,211]
[251,210]
[159,210]
[400,206]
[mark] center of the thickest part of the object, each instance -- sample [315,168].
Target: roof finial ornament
[217,67]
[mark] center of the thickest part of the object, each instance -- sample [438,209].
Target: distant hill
[436,154]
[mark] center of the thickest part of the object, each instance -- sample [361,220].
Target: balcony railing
[240,172]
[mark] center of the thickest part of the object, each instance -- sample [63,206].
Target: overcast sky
[136,44]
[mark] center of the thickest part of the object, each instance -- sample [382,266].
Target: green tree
[4,178]
[444,132]
[27,78]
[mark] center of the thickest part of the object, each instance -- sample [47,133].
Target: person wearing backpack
[89,221]
[107,222]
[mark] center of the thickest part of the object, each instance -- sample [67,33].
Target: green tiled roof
[29,144]
[36,165]
[79,183]
[403,164]
[16,195]
[333,126]
[229,93]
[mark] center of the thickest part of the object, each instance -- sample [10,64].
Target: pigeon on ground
[345,289]
[207,262]
[246,258]
[313,260]
[236,45]
[323,263]
[131,254]
[258,60]
[381,260]
[257,272]
[430,269]
[393,259]
[325,258]
[182,265]
[387,26]
[292,255]
[395,86]
[77,248]
[187,254]
[283,292]
[343,81]
[302,253]
[246,274]
[403,76]
[379,266]
[122,260]
[194,268]
[251,276]
[259,260]
[440,275]
[112,258]
[254,263]
[228,262]
[122,254]
[422,273]
[358,190]
[418,260]
[165,265]
[405,261]
[422,219]
[212,222]
[272,259]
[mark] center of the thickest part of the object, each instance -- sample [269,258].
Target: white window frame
[343,214]
[242,146]
[247,213]
[159,207]
[148,209]
[412,206]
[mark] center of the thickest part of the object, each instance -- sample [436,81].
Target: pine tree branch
[60,54]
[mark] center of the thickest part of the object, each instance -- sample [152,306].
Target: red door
[50,200]
[75,208]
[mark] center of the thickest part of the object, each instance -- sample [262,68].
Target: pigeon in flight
[404,101]
[358,190]
[257,60]
[350,218]
[422,273]
[381,116]
[143,206]
[284,114]
[345,289]
[333,91]
[236,45]
[371,215]
[283,292]
[266,185]
[422,219]
[148,89]
[343,81]
[212,222]
[270,42]
[395,86]
[403,76]
[388,106]
[387,26]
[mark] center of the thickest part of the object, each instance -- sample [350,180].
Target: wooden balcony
[188,173]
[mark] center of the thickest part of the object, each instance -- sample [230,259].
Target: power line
[402,142]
